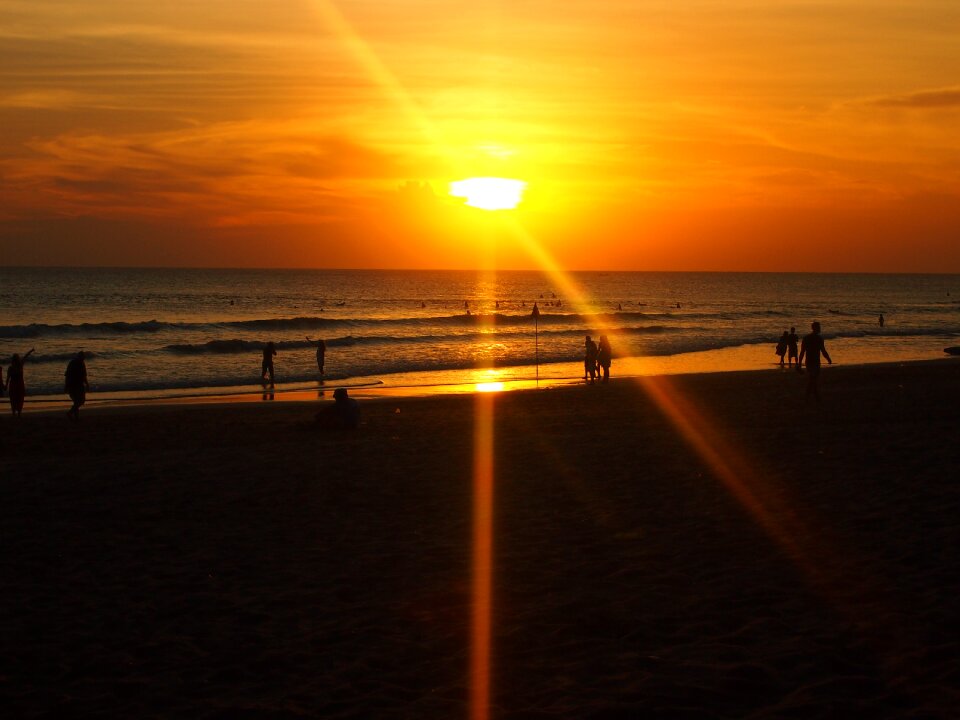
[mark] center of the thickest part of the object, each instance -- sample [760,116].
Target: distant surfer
[266,368]
[16,386]
[812,348]
[321,353]
[76,385]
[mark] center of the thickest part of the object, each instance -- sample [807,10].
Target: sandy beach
[686,546]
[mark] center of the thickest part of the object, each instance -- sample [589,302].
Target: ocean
[170,332]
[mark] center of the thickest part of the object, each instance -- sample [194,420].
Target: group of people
[270,351]
[75,383]
[811,349]
[596,359]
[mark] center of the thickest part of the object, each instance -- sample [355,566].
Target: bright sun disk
[489,193]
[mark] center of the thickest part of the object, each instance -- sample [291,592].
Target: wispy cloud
[922,99]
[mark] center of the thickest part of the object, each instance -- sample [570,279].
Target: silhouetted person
[590,360]
[604,355]
[792,341]
[16,387]
[344,414]
[880,321]
[811,348]
[782,346]
[321,353]
[619,306]
[266,368]
[75,384]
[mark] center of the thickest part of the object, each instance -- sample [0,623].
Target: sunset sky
[652,134]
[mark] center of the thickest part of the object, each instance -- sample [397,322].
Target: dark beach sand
[237,562]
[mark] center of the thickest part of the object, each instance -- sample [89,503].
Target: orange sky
[654,135]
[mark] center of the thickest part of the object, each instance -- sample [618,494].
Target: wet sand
[686,546]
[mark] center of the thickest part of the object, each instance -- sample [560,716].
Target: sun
[489,193]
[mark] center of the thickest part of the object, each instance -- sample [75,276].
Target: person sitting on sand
[321,353]
[16,387]
[604,356]
[75,384]
[792,341]
[590,360]
[811,348]
[269,351]
[344,414]
[781,349]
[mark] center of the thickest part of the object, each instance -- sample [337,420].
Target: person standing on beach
[781,348]
[269,351]
[75,384]
[321,353]
[792,341]
[604,356]
[590,360]
[812,348]
[15,386]
[880,321]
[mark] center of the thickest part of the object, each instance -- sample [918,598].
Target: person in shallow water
[792,341]
[321,353]
[590,359]
[266,368]
[604,356]
[75,384]
[16,387]
[782,346]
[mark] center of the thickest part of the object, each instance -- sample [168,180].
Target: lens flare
[489,193]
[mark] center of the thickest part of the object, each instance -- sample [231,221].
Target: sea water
[162,332]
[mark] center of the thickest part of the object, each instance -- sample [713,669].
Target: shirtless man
[811,348]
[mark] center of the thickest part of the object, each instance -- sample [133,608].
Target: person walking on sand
[604,356]
[590,360]
[781,348]
[15,386]
[792,341]
[269,352]
[321,353]
[812,348]
[75,384]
